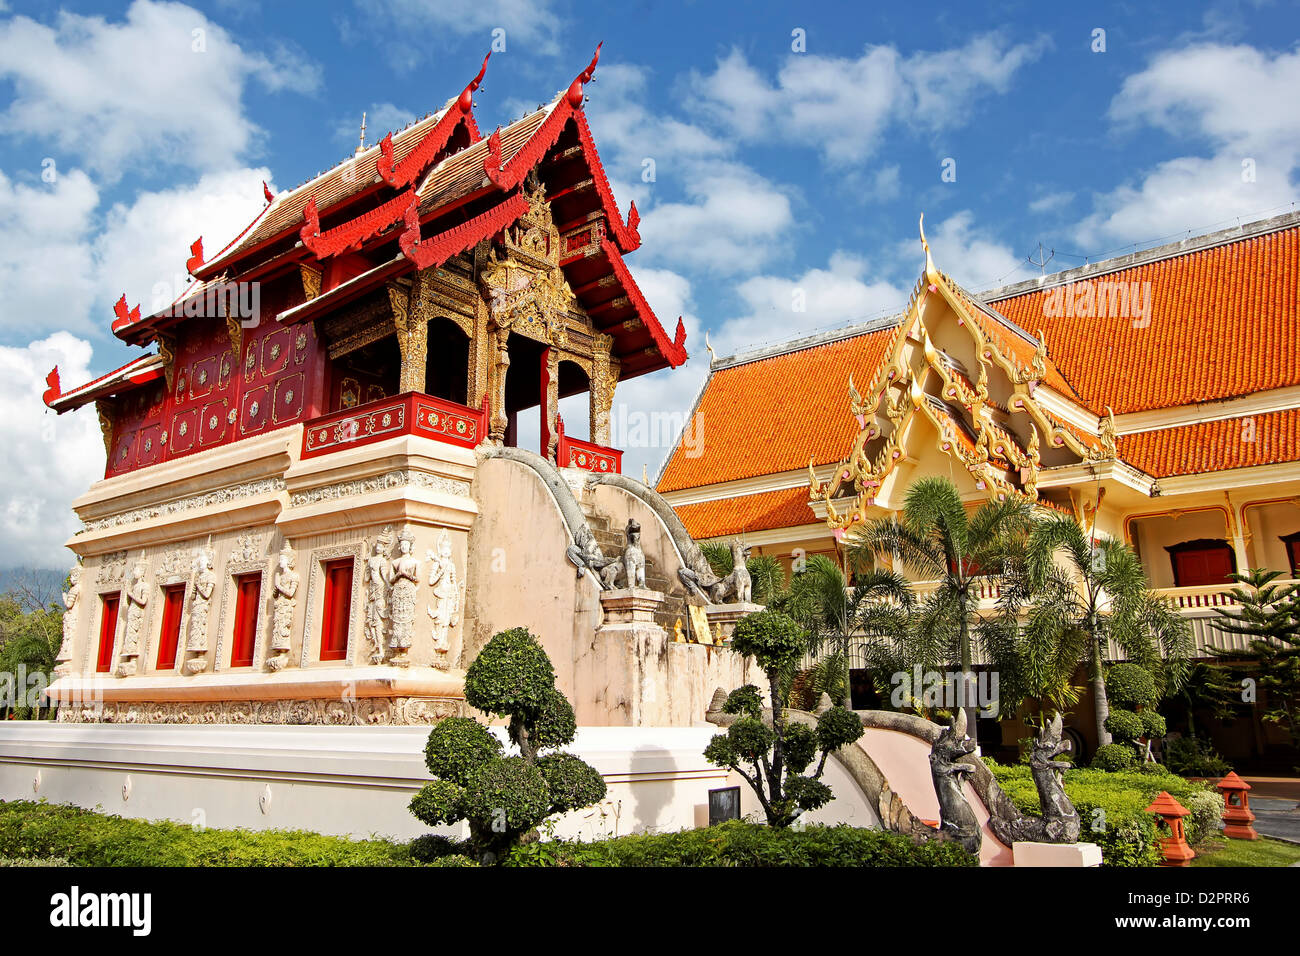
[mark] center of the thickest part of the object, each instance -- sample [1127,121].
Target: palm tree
[1082,593]
[937,540]
[833,613]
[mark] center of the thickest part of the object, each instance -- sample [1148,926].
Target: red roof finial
[124,316]
[266,191]
[311,221]
[583,78]
[53,391]
[466,101]
[492,162]
[195,261]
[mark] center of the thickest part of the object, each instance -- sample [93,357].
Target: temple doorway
[524,392]
[446,370]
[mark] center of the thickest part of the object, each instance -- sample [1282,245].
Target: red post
[1237,815]
[1174,846]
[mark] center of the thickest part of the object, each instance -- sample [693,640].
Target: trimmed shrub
[512,673]
[737,843]
[1113,757]
[1153,725]
[505,798]
[1130,685]
[1124,725]
[771,638]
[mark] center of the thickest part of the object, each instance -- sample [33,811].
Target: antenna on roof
[1042,259]
[361,145]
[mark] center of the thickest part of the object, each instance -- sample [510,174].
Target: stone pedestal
[723,618]
[629,605]
[1056,854]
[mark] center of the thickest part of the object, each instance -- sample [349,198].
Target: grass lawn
[1220,851]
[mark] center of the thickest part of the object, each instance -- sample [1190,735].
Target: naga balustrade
[575,453]
[411,413]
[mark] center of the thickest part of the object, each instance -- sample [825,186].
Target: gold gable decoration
[527,291]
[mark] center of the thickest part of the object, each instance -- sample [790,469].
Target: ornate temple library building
[314,508]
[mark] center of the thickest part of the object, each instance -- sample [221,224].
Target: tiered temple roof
[420,197]
[1222,324]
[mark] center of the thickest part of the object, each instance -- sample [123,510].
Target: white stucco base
[354,781]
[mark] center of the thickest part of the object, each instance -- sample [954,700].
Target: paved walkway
[1276,817]
[1287,788]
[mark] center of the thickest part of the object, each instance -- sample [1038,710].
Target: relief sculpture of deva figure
[63,660]
[378,580]
[205,582]
[405,575]
[444,608]
[286,591]
[137,596]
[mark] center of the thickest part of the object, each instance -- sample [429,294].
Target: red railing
[575,453]
[412,413]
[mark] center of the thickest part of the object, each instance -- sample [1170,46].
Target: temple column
[603,380]
[480,354]
[497,418]
[550,402]
[412,339]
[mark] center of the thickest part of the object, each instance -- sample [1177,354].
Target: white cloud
[777,309]
[162,86]
[408,27]
[1233,98]
[143,246]
[966,252]
[1050,202]
[63,263]
[730,226]
[45,279]
[843,105]
[50,459]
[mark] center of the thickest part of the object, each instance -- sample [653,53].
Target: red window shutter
[338,610]
[248,597]
[1202,563]
[107,632]
[169,637]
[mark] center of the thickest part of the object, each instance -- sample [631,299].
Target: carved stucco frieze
[391,479]
[220,496]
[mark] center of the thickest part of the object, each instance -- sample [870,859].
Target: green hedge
[86,838]
[1123,829]
[747,844]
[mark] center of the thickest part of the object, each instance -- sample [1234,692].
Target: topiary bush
[773,756]
[505,798]
[1130,685]
[1124,725]
[1113,757]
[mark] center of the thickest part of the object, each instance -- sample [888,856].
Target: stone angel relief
[444,606]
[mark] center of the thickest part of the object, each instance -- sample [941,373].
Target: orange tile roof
[1215,446]
[767,509]
[768,415]
[1225,322]
[1010,340]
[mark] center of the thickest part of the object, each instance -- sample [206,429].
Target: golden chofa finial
[712,357]
[931,273]
[361,142]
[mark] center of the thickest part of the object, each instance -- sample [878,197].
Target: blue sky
[792,149]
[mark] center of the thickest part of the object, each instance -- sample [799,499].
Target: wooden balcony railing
[412,413]
[575,453]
